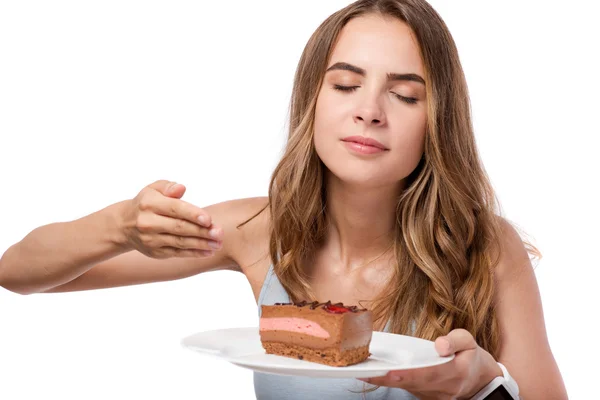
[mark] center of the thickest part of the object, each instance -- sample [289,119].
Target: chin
[360,176]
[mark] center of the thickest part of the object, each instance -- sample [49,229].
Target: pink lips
[364,145]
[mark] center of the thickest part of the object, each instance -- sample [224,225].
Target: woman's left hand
[471,369]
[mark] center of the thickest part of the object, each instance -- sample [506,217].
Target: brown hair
[447,237]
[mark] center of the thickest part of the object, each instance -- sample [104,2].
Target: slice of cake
[331,334]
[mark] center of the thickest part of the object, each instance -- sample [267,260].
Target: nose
[370,113]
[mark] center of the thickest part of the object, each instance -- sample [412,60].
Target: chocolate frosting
[324,306]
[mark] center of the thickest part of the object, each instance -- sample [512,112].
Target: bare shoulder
[514,273]
[246,224]
[514,257]
[524,346]
[247,233]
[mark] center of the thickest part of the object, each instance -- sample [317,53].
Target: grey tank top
[270,386]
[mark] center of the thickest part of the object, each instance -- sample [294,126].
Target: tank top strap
[272,291]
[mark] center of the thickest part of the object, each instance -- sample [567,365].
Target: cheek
[409,142]
[324,125]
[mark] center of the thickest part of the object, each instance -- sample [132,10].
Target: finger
[411,378]
[168,188]
[417,379]
[162,185]
[155,223]
[180,209]
[176,191]
[187,243]
[454,342]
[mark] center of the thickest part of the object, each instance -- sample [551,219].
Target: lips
[365,141]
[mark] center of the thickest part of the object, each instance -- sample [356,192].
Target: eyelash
[408,100]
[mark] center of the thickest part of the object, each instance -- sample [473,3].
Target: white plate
[242,347]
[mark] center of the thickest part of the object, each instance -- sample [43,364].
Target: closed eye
[408,100]
[345,88]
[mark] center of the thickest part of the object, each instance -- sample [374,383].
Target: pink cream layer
[297,325]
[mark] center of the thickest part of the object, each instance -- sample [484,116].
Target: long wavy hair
[447,236]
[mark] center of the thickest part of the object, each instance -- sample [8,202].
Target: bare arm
[135,268]
[57,253]
[124,245]
[525,350]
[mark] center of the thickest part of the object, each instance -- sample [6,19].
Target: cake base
[331,356]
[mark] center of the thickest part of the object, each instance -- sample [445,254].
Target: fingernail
[172,185]
[368,380]
[397,378]
[203,220]
[214,245]
[207,252]
[214,233]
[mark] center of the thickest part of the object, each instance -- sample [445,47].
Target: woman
[380,199]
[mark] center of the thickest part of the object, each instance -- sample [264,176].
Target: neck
[361,222]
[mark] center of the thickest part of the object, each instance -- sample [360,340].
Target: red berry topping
[336,309]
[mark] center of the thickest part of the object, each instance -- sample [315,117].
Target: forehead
[378,43]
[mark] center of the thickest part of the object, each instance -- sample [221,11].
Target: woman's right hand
[159,224]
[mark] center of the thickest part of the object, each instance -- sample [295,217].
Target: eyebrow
[342,66]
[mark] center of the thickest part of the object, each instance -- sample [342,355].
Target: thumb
[456,341]
[169,188]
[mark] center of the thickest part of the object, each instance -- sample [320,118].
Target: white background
[99,99]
